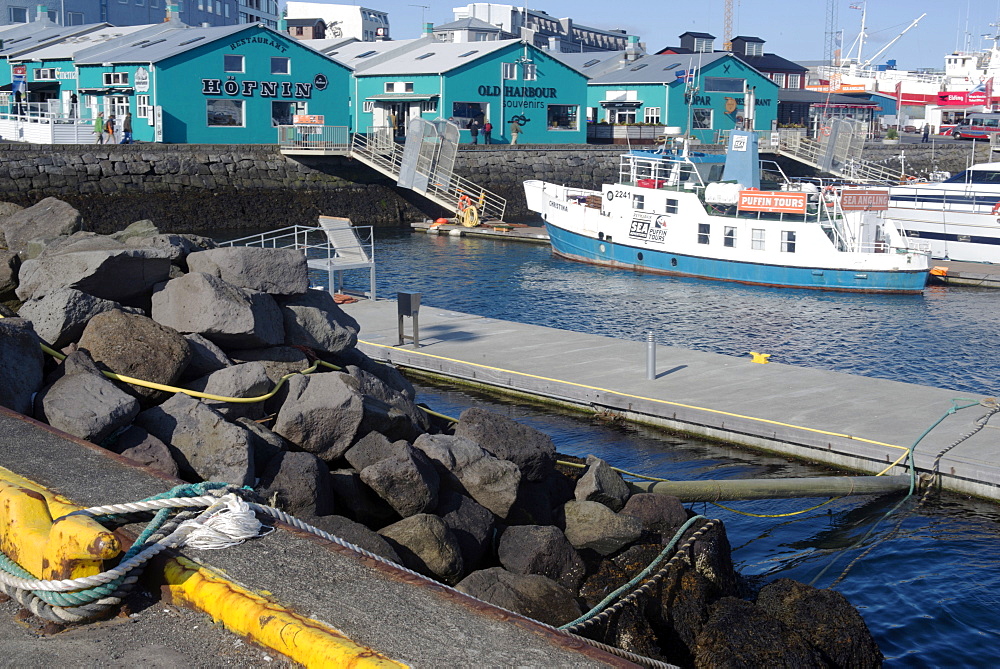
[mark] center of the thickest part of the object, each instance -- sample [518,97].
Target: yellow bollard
[762,358]
[69,547]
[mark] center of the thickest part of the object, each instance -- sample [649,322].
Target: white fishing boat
[688,214]
[958,218]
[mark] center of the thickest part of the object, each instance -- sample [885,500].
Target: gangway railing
[811,152]
[323,140]
[447,189]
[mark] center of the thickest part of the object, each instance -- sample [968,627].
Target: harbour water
[929,579]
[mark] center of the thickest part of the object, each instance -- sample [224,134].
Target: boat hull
[583,248]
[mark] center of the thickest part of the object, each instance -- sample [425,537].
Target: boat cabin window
[638,201]
[757,241]
[704,231]
[975,177]
[729,236]
[670,207]
[788,241]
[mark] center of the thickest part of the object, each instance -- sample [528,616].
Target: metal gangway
[837,151]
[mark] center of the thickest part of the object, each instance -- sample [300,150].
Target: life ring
[470,217]
[825,130]
[464,203]
[996,208]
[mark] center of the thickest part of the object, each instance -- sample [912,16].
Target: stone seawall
[196,188]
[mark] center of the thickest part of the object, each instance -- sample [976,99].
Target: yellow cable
[649,399]
[774,515]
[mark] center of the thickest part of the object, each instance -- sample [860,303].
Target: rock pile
[481,505]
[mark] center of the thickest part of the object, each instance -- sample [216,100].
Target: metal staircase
[837,152]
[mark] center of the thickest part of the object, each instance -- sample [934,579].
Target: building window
[510,70]
[794,80]
[621,116]
[428,106]
[670,207]
[18,14]
[530,72]
[704,230]
[563,117]
[74,18]
[462,113]
[408,87]
[116,78]
[142,108]
[757,240]
[755,49]
[778,78]
[638,201]
[232,63]
[702,45]
[117,105]
[225,113]
[651,115]
[788,241]
[45,74]
[53,16]
[729,236]
[368,107]
[281,65]
[701,119]
[723,85]
[390,87]
[282,112]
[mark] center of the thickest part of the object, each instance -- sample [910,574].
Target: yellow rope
[775,515]
[650,399]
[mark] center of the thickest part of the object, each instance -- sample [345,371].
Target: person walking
[127,128]
[474,131]
[99,127]
[927,133]
[487,129]
[515,130]
[109,128]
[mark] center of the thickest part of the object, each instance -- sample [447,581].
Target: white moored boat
[959,218]
[698,215]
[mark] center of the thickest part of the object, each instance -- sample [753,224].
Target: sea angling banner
[864,200]
[772,202]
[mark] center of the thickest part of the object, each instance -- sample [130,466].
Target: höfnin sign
[775,203]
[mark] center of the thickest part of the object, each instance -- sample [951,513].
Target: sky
[796,31]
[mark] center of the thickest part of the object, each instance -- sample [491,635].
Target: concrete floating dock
[499,230]
[313,601]
[971,274]
[853,422]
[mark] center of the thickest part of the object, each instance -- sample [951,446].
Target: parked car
[909,128]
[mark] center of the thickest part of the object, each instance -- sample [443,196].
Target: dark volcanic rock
[206,357]
[825,619]
[593,525]
[124,275]
[61,316]
[314,320]
[299,483]
[274,271]
[472,524]
[532,451]
[427,546]
[247,380]
[321,414]
[662,514]
[46,220]
[408,482]
[23,361]
[530,595]
[357,534]
[543,550]
[372,448]
[137,444]
[602,484]
[359,502]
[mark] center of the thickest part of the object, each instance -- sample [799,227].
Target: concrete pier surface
[853,422]
[312,601]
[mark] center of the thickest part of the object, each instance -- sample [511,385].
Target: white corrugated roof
[71,45]
[428,56]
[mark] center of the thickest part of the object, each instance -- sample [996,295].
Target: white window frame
[704,233]
[729,236]
[115,78]
[638,201]
[243,62]
[757,239]
[788,241]
[428,106]
[700,112]
[794,81]
[240,104]
[117,105]
[142,107]
[11,12]
[509,71]
[530,72]
[651,115]
[45,74]
[288,64]
[755,49]
[778,78]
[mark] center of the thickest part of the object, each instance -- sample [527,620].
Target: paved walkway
[848,421]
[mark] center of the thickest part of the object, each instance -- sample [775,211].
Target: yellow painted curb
[302,639]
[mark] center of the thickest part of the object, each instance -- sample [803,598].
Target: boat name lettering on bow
[558,205]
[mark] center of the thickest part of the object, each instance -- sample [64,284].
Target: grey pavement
[819,415]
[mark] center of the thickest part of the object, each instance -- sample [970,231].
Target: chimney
[282,25]
[43,14]
[428,29]
[173,14]
[633,51]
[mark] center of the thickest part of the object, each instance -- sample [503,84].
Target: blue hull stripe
[587,249]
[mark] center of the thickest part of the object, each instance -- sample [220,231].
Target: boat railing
[659,172]
[944,200]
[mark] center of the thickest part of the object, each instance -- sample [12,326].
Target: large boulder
[542,550]
[321,414]
[314,320]
[531,595]
[739,634]
[602,484]
[230,316]
[136,230]
[407,481]
[206,357]
[299,483]
[373,447]
[124,275]
[662,514]
[84,403]
[467,468]
[61,316]
[277,360]
[264,443]
[136,444]
[825,619]
[274,271]
[21,373]
[359,502]
[356,534]
[427,546]
[247,380]
[388,374]
[593,526]
[387,410]
[472,524]
[204,445]
[532,451]
[136,346]
[10,263]
[48,219]
[177,247]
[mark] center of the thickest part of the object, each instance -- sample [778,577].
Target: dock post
[408,305]
[650,356]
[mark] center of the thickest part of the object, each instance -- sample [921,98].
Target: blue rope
[604,603]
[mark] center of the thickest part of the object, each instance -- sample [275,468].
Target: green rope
[604,603]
